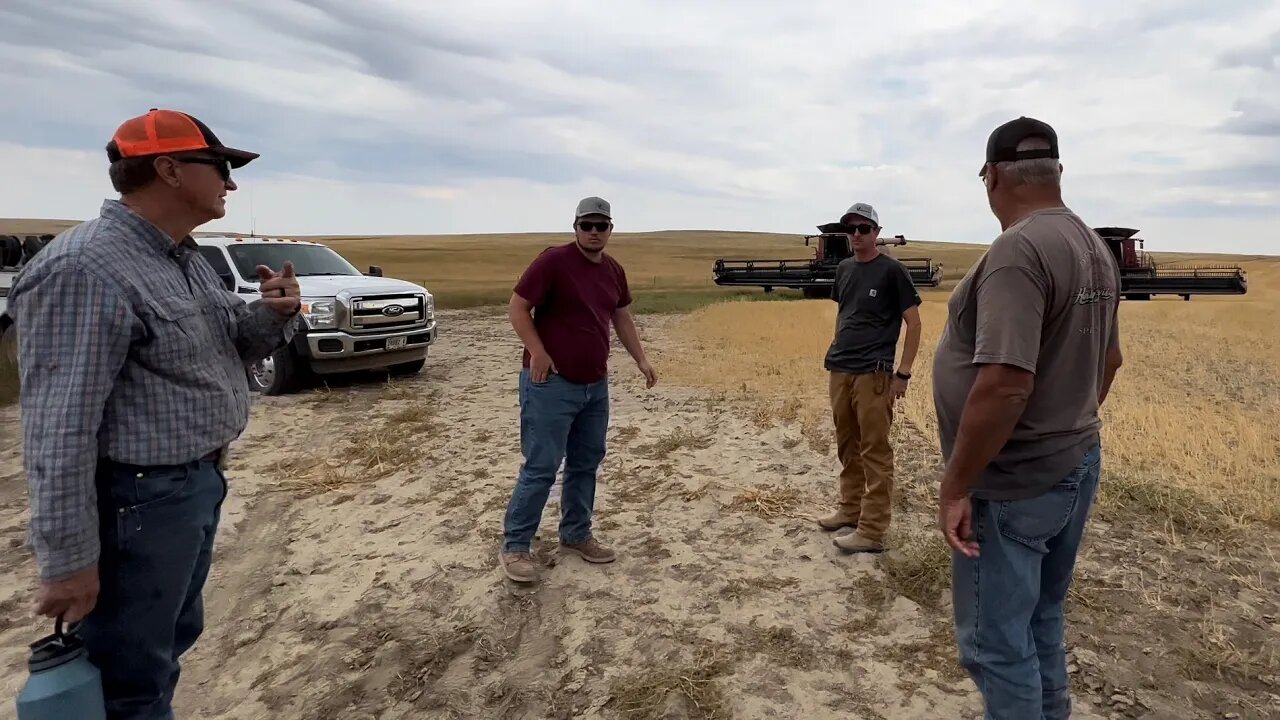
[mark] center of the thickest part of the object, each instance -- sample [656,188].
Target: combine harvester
[1141,277]
[815,276]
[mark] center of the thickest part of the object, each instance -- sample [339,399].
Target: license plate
[395,343]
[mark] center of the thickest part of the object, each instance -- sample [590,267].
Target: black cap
[1003,143]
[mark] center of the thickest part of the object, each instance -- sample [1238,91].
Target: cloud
[400,116]
[1263,55]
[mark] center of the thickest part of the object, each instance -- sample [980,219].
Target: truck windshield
[306,259]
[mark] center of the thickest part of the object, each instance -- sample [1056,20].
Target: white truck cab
[352,320]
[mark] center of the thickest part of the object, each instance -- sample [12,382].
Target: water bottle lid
[57,649]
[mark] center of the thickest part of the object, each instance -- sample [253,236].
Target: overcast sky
[398,116]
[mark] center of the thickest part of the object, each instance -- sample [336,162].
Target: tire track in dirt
[355,572]
[374,592]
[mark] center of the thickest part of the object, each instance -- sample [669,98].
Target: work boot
[856,542]
[591,551]
[518,566]
[838,519]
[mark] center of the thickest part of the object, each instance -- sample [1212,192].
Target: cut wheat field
[1190,431]
[356,574]
[667,271]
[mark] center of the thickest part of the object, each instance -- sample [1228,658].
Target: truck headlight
[431,306]
[319,314]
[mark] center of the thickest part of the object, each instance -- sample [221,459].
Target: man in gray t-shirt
[875,297]
[1025,360]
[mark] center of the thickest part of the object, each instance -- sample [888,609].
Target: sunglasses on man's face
[220,164]
[588,226]
[862,229]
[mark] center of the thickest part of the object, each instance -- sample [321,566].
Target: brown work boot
[838,519]
[518,566]
[856,542]
[591,551]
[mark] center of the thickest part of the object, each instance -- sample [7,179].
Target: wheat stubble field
[355,575]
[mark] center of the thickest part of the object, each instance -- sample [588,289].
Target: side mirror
[374,271]
[228,280]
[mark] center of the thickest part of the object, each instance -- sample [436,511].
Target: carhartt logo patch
[873,292]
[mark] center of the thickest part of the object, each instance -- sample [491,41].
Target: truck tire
[275,374]
[8,342]
[10,251]
[409,368]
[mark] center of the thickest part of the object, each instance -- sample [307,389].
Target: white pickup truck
[352,320]
[15,251]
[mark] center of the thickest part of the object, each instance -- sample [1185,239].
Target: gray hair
[1037,171]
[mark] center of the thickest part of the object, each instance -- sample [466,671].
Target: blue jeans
[1008,601]
[559,420]
[156,527]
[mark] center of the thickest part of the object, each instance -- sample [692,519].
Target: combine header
[815,276]
[1141,277]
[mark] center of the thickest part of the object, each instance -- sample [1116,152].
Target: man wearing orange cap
[133,384]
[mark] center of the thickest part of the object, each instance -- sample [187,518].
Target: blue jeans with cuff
[559,420]
[156,528]
[1008,601]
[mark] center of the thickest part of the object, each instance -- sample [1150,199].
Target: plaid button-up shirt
[132,349]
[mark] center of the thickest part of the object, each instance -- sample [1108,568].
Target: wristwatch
[901,375]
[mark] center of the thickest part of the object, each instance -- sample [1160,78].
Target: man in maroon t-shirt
[562,308]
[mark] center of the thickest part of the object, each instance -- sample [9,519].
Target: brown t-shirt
[1043,298]
[574,300]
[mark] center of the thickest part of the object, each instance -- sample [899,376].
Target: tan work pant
[862,408]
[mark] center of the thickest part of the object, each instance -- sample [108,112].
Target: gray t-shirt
[1043,298]
[872,297]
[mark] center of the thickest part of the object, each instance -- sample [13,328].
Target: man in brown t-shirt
[1026,358]
[562,309]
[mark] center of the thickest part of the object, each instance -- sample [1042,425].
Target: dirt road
[356,574]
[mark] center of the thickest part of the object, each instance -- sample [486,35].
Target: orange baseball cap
[160,132]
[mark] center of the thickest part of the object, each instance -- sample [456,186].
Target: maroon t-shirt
[574,300]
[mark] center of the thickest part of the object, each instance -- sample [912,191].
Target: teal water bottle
[63,684]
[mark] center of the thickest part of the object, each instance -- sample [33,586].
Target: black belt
[216,457]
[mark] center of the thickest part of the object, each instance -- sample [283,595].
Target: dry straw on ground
[1190,430]
[715,541]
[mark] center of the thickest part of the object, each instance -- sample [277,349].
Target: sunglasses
[588,226]
[861,228]
[221,164]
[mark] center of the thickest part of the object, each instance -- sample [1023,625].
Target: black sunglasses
[587,225]
[221,164]
[861,228]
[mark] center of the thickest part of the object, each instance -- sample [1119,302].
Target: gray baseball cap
[862,209]
[594,206]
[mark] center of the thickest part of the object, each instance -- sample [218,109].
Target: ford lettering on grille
[393,310]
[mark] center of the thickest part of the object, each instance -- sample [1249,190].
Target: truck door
[218,260]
